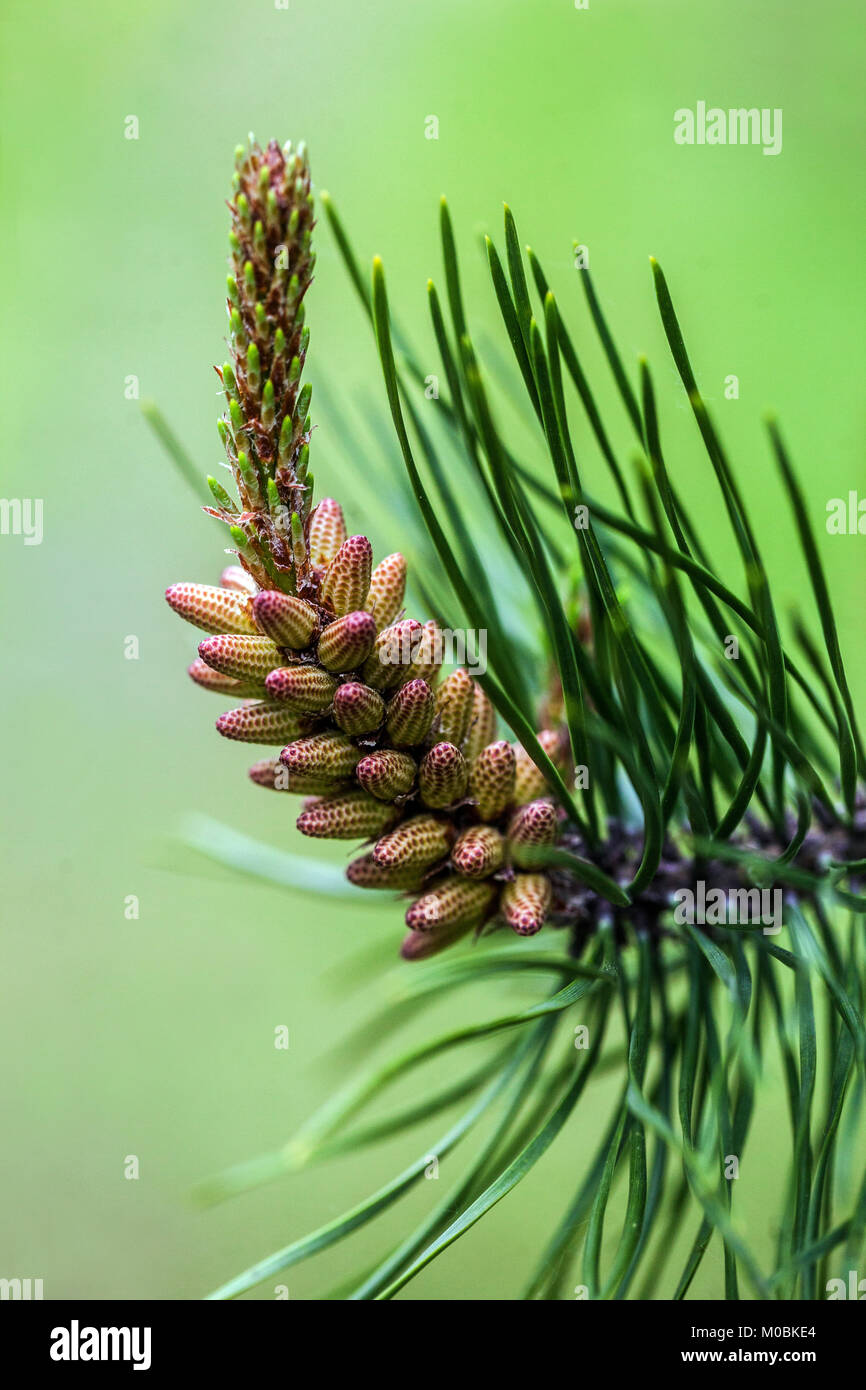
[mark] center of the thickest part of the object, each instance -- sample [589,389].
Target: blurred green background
[154,1037]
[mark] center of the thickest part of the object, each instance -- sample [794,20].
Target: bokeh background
[154,1036]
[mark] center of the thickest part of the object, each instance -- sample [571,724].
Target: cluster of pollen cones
[378,746]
